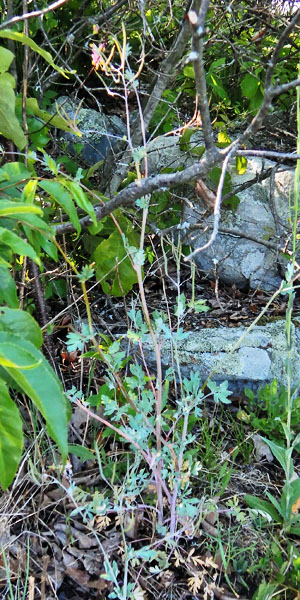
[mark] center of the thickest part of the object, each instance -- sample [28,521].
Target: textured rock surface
[239,260]
[99,132]
[257,359]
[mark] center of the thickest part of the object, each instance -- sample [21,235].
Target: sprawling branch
[130,194]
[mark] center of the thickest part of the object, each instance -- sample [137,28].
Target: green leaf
[39,383]
[188,71]
[6,58]
[249,85]
[8,290]
[106,254]
[265,591]
[80,198]
[17,244]
[11,437]
[184,142]
[241,164]
[223,138]
[24,39]
[57,191]
[19,322]
[262,506]
[9,124]
[28,193]
[81,452]
[53,120]
[14,209]
[13,174]
[282,454]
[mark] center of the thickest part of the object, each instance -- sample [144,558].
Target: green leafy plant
[267,411]
[24,368]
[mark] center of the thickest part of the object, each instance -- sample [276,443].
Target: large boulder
[263,215]
[99,132]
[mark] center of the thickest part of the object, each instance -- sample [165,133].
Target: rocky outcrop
[263,215]
[235,355]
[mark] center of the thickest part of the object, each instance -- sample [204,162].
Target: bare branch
[269,154]
[217,210]
[198,28]
[34,13]
[143,187]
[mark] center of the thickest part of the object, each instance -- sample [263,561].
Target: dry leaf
[262,450]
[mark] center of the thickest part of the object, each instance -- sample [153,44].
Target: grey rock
[99,132]
[232,354]
[164,152]
[239,260]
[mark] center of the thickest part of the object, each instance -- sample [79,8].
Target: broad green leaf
[39,383]
[9,124]
[53,120]
[13,209]
[24,39]
[276,504]
[8,290]
[81,452]
[17,244]
[241,164]
[265,591]
[11,437]
[115,281]
[249,85]
[6,58]
[14,173]
[223,138]
[19,322]
[282,454]
[215,84]
[57,191]
[184,142]
[188,71]
[81,198]
[262,506]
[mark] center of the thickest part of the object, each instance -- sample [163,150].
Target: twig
[34,13]
[217,210]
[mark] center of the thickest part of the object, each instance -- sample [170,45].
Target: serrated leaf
[19,322]
[39,383]
[11,437]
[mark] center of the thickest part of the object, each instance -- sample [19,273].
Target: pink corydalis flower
[97,60]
